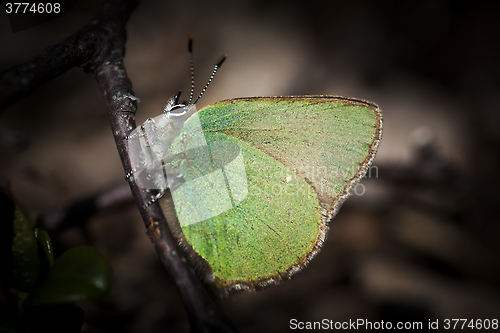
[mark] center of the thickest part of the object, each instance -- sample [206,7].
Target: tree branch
[100,47]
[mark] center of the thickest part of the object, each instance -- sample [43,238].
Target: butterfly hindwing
[295,161]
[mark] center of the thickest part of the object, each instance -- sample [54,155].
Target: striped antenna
[191,61]
[217,66]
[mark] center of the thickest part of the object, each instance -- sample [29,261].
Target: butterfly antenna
[191,61]
[216,68]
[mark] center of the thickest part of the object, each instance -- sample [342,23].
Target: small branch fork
[99,47]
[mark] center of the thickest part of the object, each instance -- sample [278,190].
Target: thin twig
[79,212]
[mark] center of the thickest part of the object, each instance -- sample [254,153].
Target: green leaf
[45,251]
[43,238]
[25,260]
[81,273]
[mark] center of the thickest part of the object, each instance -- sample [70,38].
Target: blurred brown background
[420,244]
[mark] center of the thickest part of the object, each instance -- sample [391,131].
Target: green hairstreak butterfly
[249,185]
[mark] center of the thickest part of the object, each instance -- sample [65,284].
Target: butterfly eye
[178,110]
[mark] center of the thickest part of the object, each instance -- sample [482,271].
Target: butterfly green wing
[301,156]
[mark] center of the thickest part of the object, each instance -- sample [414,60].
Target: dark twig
[80,211]
[203,316]
[100,47]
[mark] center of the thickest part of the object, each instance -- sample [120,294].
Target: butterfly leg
[155,198]
[138,133]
